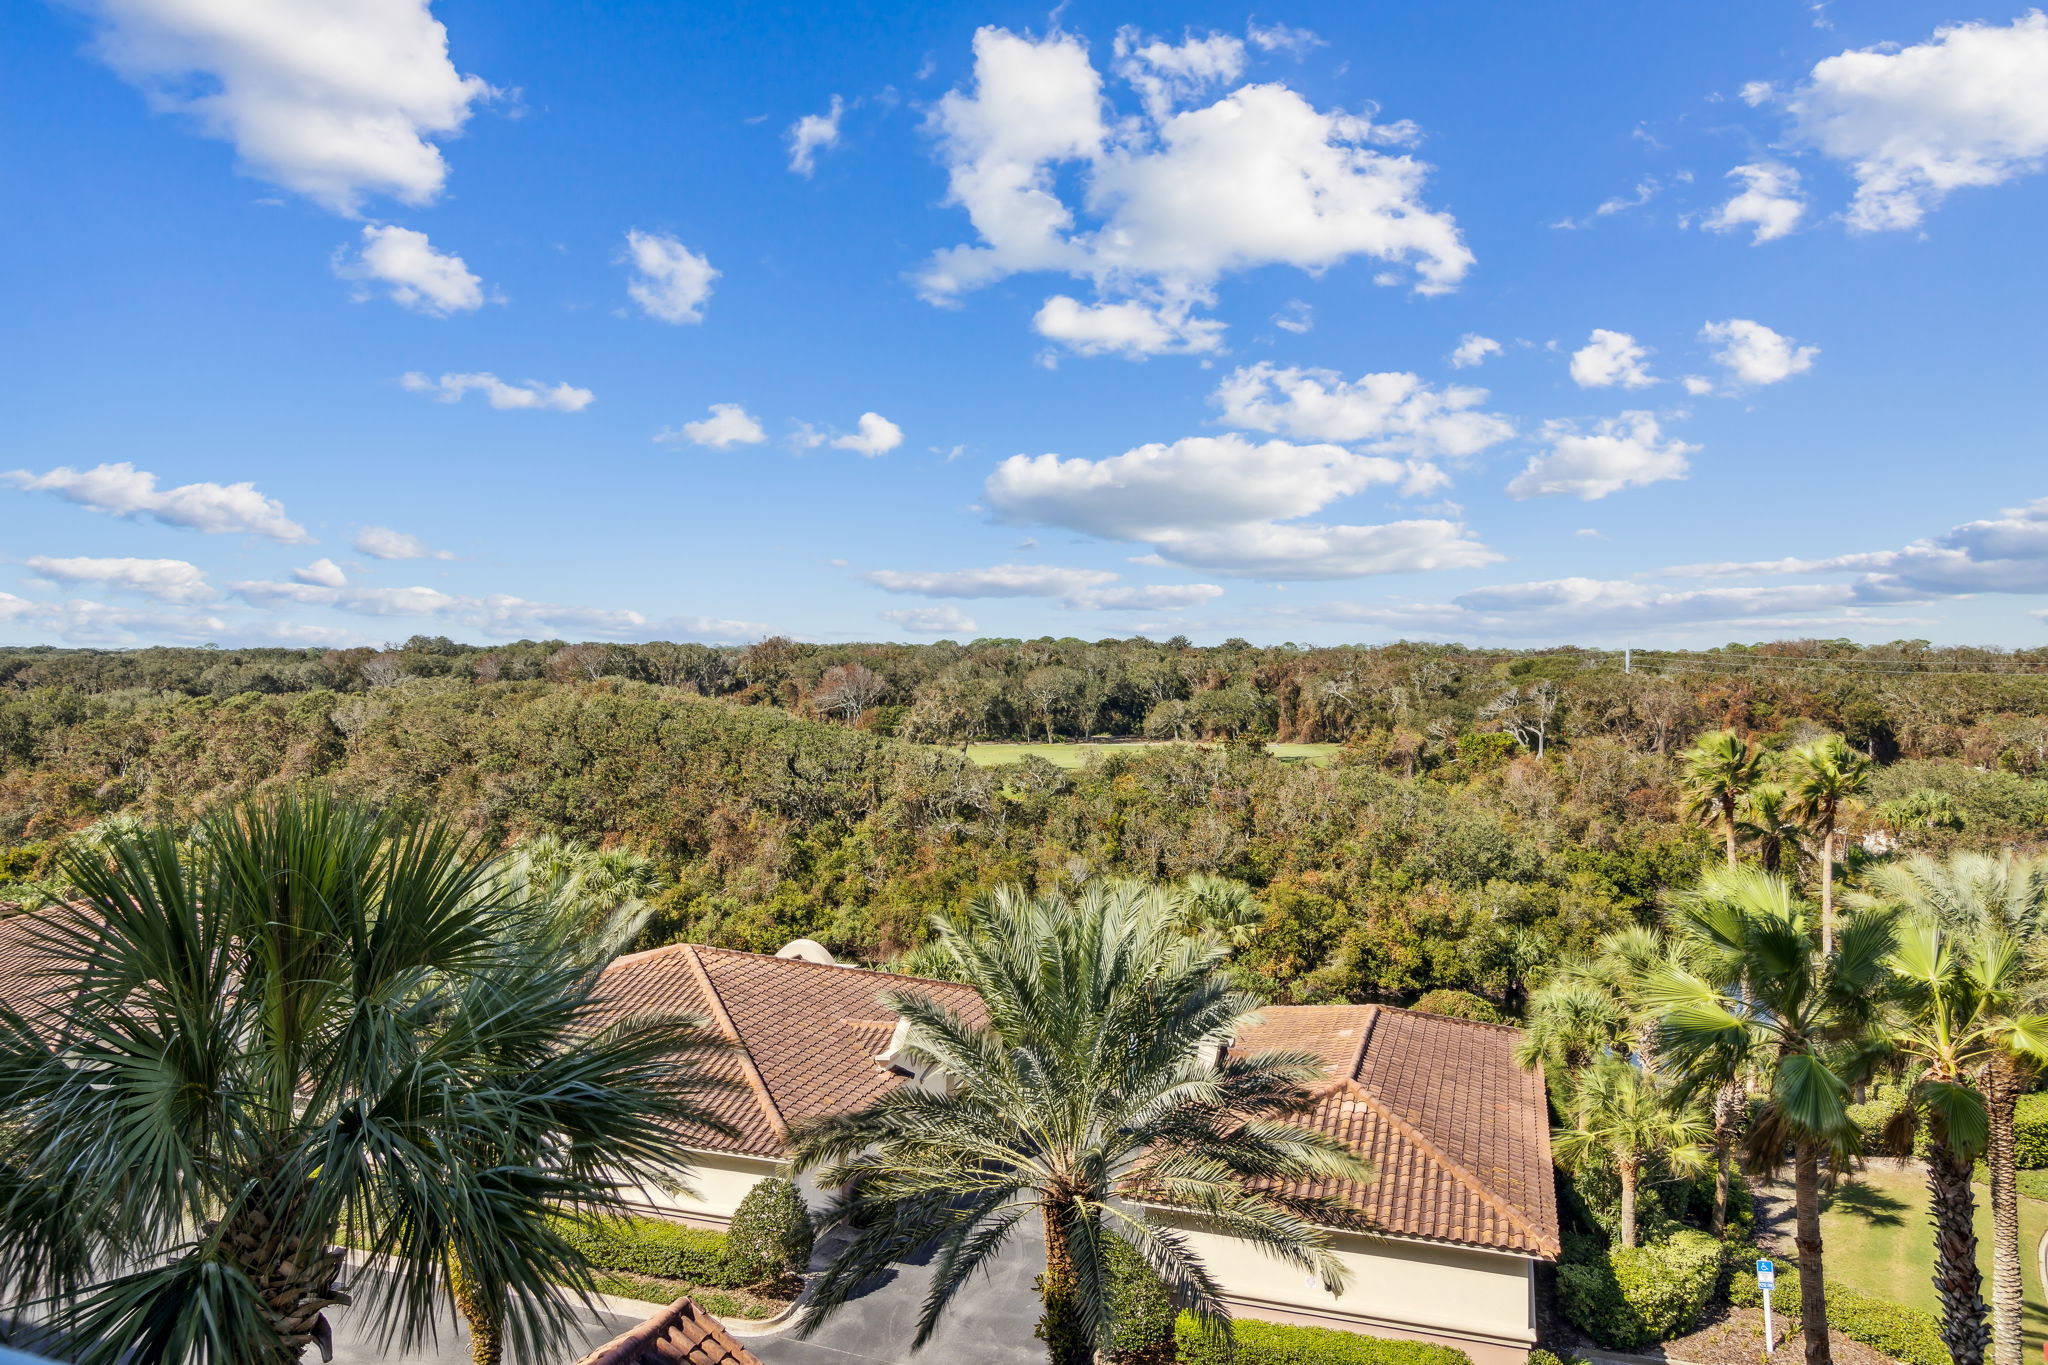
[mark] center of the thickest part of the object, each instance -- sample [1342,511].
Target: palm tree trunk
[1813,1299]
[2002,1082]
[486,1337]
[1728,830]
[296,1285]
[1956,1277]
[1066,1341]
[1827,891]
[1727,1120]
[1628,1202]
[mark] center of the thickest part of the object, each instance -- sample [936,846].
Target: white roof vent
[807,950]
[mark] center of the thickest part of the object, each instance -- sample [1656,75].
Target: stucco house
[1460,1212]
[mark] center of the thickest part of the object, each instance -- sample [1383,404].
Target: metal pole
[1769,1336]
[1626,660]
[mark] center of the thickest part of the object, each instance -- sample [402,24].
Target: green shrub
[1141,1311]
[771,1233]
[1539,1356]
[2030,1133]
[1272,1343]
[1634,1296]
[1912,1335]
[1460,1005]
[653,1246]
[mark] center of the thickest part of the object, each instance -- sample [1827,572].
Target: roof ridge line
[1372,1019]
[1457,1169]
[751,1072]
[824,966]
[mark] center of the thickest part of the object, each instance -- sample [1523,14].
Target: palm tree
[1221,907]
[1979,896]
[1622,1116]
[1767,822]
[1098,1084]
[308,1023]
[1720,769]
[1825,778]
[1761,982]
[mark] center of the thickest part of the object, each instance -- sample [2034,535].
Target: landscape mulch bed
[1735,1336]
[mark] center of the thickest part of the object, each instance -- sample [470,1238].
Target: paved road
[356,1333]
[990,1323]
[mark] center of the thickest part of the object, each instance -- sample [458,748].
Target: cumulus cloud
[670,282]
[1473,350]
[1769,202]
[168,580]
[930,620]
[1629,451]
[81,622]
[1219,503]
[1395,412]
[875,435]
[812,134]
[324,573]
[1002,580]
[336,100]
[122,490]
[527,393]
[381,542]
[413,274]
[1129,328]
[498,614]
[728,425]
[1151,597]
[1968,107]
[1611,358]
[1753,354]
[1168,199]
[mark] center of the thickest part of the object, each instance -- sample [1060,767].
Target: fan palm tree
[1767,822]
[1220,906]
[1981,897]
[1720,769]
[1760,982]
[311,1022]
[1824,780]
[1098,1083]
[1622,1116]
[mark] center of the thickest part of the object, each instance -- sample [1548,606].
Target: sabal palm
[1622,1116]
[1977,896]
[1760,983]
[1824,779]
[1767,823]
[1719,770]
[310,1022]
[1095,1087]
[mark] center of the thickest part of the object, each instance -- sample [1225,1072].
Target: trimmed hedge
[1141,1310]
[1273,1343]
[2030,1133]
[657,1247]
[770,1235]
[1912,1335]
[1634,1296]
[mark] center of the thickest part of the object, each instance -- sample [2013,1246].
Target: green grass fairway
[1878,1240]
[1076,755]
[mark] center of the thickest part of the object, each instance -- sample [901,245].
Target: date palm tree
[1758,981]
[1622,1116]
[1097,1084]
[1719,770]
[1824,780]
[309,1023]
[1980,897]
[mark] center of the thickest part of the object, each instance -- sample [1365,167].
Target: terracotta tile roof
[808,1032]
[680,1334]
[1458,1135]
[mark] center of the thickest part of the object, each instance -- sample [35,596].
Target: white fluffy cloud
[498,614]
[1473,349]
[812,134]
[413,274]
[670,282]
[1149,597]
[1769,202]
[728,425]
[168,580]
[1753,354]
[381,542]
[1128,328]
[323,573]
[1611,358]
[1968,107]
[122,490]
[1395,412]
[81,622]
[875,435]
[1230,505]
[930,620]
[332,99]
[1002,580]
[1628,451]
[1173,197]
[2006,553]
[527,393]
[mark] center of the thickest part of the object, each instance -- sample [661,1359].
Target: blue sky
[335,320]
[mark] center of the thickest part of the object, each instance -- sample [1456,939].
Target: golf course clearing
[1075,754]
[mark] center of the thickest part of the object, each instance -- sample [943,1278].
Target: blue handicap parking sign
[1766,1274]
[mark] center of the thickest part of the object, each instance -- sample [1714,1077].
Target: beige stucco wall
[718,1181]
[1480,1301]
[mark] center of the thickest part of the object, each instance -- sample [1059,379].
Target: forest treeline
[1488,812]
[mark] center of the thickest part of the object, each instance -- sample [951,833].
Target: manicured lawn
[1076,755]
[1878,1240]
